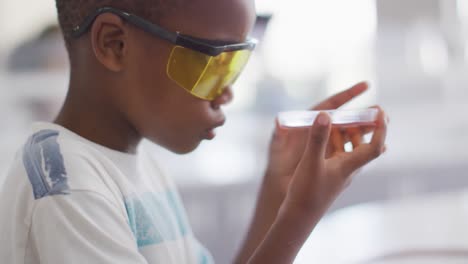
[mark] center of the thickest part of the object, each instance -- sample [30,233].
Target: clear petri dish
[358,117]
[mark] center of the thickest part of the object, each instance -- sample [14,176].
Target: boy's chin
[183,149]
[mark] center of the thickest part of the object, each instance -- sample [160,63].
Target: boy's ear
[109,41]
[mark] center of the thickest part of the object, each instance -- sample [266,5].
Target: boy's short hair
[72,12]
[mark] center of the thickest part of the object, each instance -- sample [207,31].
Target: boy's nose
[225,98]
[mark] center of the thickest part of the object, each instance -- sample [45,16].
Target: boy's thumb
[318,137]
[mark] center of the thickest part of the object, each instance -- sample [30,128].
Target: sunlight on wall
[462,10]
[330,40]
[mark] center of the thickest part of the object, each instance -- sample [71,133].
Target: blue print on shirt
[204,257]
[156,217]
[44,164]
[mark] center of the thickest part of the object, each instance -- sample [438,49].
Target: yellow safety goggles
[202,67]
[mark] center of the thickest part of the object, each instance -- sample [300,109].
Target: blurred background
[414,53]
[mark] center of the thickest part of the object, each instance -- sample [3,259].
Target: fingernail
[323,119]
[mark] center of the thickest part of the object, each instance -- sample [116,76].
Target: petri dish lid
[356,117]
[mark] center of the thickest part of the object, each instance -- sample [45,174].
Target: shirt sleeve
[82,227]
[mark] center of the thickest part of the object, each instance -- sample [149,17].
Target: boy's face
[157,107]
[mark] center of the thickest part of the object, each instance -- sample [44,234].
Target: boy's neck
[97,122]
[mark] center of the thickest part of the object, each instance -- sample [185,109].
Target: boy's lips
[210,132]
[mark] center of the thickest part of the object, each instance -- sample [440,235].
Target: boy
[76,192]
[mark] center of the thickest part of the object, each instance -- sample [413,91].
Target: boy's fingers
[367,129]
[380,133]
[330,151]
[337,140]
[342,98]
[368,152]
[355,135]
[279,131]
[318,139]
[387,118]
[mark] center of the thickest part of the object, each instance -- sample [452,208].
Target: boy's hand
[320,176]
[288,145]
[317,180]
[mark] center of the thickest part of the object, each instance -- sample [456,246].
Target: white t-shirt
[68,200]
